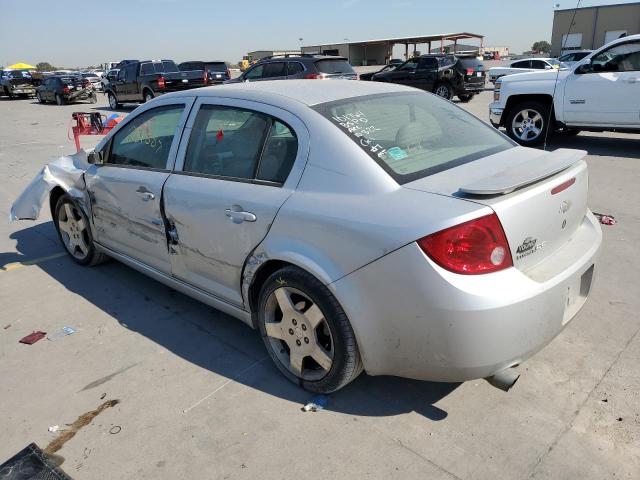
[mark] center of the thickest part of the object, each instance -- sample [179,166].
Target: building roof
[591,7]
[414,39]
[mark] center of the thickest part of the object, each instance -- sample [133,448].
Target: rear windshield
[413,135]
[166,66]
[216,67]
[334,66]
[471,62]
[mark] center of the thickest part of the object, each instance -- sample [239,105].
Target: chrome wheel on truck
[527,123]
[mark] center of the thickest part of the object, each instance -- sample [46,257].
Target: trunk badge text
[529,246]
[565,206]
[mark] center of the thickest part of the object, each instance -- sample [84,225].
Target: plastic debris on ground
[318,402]
[61,333]
[33,338]
[54,428]
[605,219]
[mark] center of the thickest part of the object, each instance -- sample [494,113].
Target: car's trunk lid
[540,197]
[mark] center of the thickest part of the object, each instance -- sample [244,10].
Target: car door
[131,87]
[45,90]
[119,85]
[238,163]
[426,74]
[254,73]
[126,188]
[607,90]
[274,71]
[520,67]
[404,74]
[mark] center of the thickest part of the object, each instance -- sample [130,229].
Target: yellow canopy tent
[21,66]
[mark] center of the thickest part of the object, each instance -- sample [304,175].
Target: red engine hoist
[92,123]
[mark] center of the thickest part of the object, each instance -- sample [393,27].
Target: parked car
[139,82]
[599,93]
[291,67]
[17,83]
[108,77]
[217,72]
[369,76]
[443,74]
[93,78]
[525,66]
[572,58]
[63,89]
[356,225]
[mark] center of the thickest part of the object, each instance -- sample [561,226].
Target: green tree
[44,67]
[541,46]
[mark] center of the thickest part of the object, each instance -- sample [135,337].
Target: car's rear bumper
[414,319]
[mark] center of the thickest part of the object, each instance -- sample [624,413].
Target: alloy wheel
[299,333]
[113,103]
[527,125]
[443,91]
[73,230]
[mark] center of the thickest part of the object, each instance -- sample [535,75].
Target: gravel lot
[200,399]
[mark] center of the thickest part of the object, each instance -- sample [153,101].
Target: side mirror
[547,67]
[94,158]
[584,67]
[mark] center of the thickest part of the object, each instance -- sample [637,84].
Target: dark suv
[443,74]
[287,67]
[214,72]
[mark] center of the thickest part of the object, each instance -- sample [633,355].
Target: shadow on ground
[210,339]
[627,147]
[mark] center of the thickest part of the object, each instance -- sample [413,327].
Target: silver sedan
[356,225]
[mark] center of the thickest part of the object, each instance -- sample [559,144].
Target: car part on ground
[385,221]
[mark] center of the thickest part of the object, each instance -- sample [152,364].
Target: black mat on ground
[31,463]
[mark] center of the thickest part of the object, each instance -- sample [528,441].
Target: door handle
[237,215]
[145,195]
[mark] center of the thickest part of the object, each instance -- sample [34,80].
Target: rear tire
[74,232]
[301,321]
[466,98]
[39,98]
[148,96]
[444,90]
[527,123]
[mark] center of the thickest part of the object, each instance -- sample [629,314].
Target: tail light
[315,76]
[161,83]
[470,71]
[471,248]
[206,77]
[65,89]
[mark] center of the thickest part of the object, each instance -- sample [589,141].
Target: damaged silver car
[357,225]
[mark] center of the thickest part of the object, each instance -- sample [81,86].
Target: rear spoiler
[520,175]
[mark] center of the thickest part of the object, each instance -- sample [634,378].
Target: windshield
[413,135]
[334,66]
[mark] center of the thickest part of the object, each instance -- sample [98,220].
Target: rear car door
[295,70]
[126,189]
[607,91]
[238,163]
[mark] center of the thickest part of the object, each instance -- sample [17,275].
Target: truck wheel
[8,93]
[444,90]
[113,101]
[148,96]
[59,99]
[465,98]
[39,97]
[306,331]
[527,123]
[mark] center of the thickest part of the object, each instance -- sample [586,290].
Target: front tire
[444,90]
[113,101]
[59,99]
[527,123]
[306,332]
[39,98]
[75,233]
[466,98]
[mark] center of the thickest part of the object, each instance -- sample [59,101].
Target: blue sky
[82,33]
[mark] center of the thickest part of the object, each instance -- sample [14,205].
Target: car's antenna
[555,85]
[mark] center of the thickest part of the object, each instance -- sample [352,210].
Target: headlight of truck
[496,90]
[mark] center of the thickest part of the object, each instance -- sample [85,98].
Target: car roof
[307,92]
[310,57]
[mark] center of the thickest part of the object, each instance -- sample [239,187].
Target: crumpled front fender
[66,172]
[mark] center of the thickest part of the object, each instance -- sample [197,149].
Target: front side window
[428,63]
[524,64]
[413,135]
[272,70]
[254,73]
[240,144]
[621,58]
[538,64]
[146,140]
[409,65]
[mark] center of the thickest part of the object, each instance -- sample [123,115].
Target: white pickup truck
[599,93]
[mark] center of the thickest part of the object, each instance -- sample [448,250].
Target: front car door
[607,90]
[239,163]
[254,73]
[274,71]
[404,74]
[426,74]
[126,189]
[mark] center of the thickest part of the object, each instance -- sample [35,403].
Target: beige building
[593,27]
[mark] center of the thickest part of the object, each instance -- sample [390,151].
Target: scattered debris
[7,326]
[605,219]
[102,396]
[318,402]
[33,338]
[61,333]
[604,400]
[115,429]
[619,419]
[82,421]
[54,428]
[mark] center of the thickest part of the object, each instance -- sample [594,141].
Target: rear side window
[538,64]
[330,66]
[474,63]
[413,135]
[427,63]
[275,69]
[147,69]
[240,144]
[293,68]
[523,64]
[146,140]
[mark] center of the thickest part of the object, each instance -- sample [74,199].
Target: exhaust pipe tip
[504,379]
